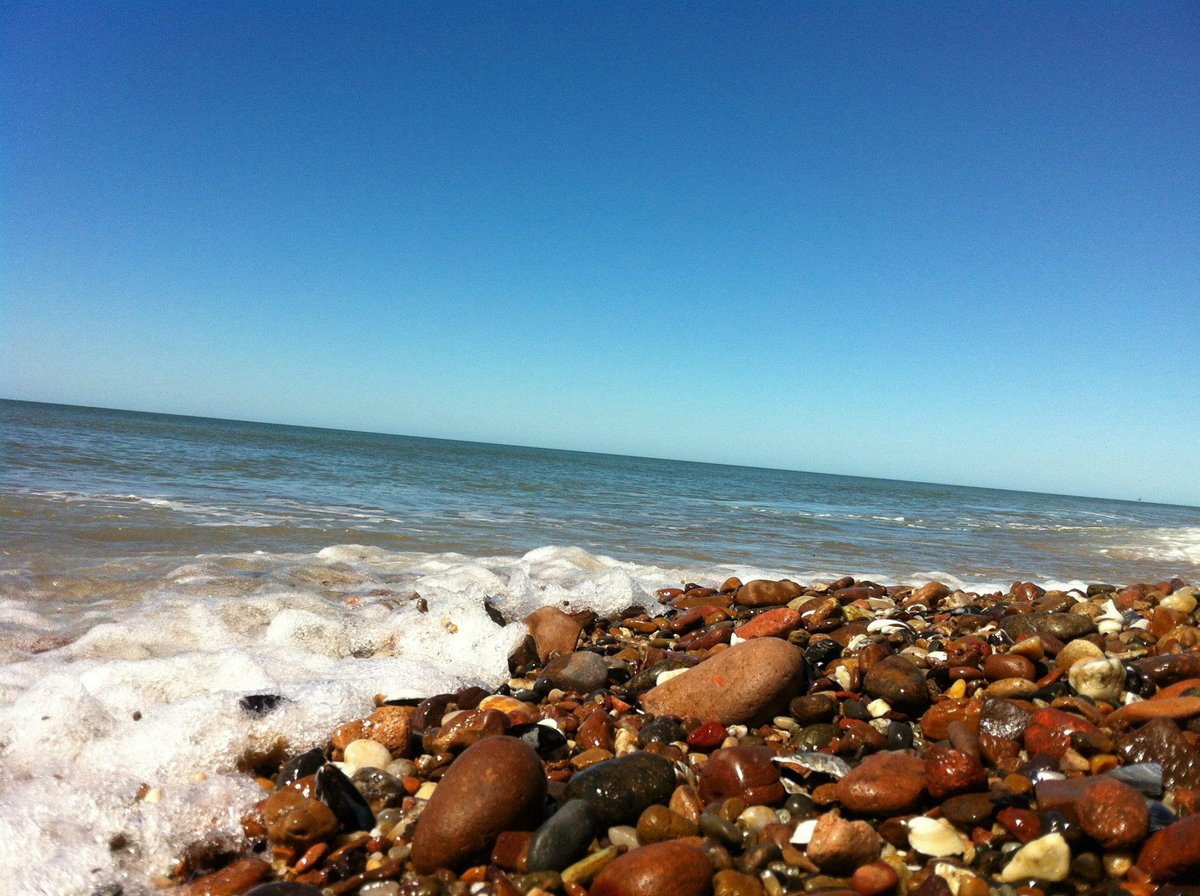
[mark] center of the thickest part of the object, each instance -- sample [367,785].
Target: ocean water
[155,569]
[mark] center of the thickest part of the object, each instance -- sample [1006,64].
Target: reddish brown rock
[465,729]
[1114,814]
[928,594]
[747,772]
[900,682]
[596,732]
[390,726]
[775,623]
[292,819]
[1049,731]
[874,879]
[660,869]
[949,771]
[1173,854]
[1145,710]
[553,631]
[746,683]
[765,593]
[935,723]
[839,846]
[883,784]
[496,785]
[235,878]
[999,666]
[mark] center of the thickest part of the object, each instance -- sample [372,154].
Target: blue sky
[888,239]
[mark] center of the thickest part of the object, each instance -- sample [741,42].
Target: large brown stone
[749,682]
[496,785]
[1173,854]
[765,593]
[660,869]
[553,631]
[883,784]
[900,682]
[234,878]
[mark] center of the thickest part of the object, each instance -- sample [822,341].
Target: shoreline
[758,739]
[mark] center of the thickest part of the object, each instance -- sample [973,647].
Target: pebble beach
[760,738]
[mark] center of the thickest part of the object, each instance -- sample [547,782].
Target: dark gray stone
[564,837]
[621,789]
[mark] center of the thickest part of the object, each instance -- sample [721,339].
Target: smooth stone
[899,681]
[839,846]
[378,788]
[1064,626]
[1047,858]
[935,723]
[884,783]
[498,784]
[621,789]
[874,879]
[661,731]
[949,771]
[580,672]
[1003,718]
[1102,679]
[1008,665]
[765,593]
[660,869]
[292,819]
[1173,854]
[729,882]
[563,837]
[777,623]
[968,810]
[339,794]
[554,632]
[1049,731]
[746,772]
[1077,651]
[596,732]
[750,682]
[935,837]
[366,753]
[284,888]
[1114,814]
[464,729]
[235,878]
[659,823]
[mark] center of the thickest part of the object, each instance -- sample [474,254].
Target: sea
[156,569]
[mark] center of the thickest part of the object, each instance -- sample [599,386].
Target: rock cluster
[759,739]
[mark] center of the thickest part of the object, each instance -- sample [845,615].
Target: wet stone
[378,788]
[1161,741]
[660,869]
[580,672]
[564,837]
[339,794]
[883,784]
[746,772]
[1049,731]
[621,789]
[661,731]
[496,785]
[297,821]
[839,846]
[900,682]
[968,810]
[1173,854]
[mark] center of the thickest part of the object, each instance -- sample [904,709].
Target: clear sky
[944,242]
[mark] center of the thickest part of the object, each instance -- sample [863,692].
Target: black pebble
[260,704]
[337,792]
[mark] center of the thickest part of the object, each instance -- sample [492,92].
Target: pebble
[553,631]
[1113,814]
[883,784]
[1161,741]
[777,623]
[1047,858]
[875,879]
[295,820]
[580,672]
[563,837]
[1100,679]
[621,789]
[659,823]
[935,837]
[749,682]
[729,882]
[660,869]
[284,888]
[1063,626]
[900,682]
[838,846]
[1173,854]
[765,593]
[746,772]
[496,785]
[1077,651]
[949,771]
[366,753]
[1049,731]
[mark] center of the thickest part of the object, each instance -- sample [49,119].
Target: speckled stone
[750,682]
[496,785]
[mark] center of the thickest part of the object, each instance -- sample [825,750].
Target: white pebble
[365,753]
[624,835]
[755,818]
[804,832]
[1098,679]
[1046,858]
[935,837]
